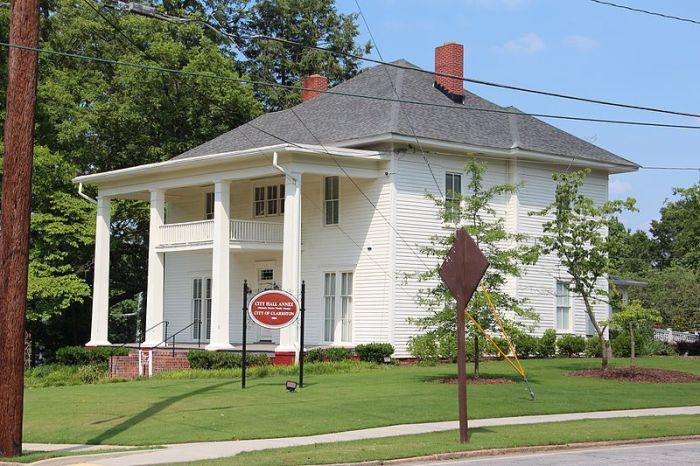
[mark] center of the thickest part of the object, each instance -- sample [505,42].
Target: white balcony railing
[192,233]
[256,231]
[186,233]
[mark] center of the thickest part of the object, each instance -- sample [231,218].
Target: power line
[396,93]
[196,74]
[648,12]
[433,73]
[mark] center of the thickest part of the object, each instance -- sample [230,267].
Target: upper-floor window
[331,200]
[563,310]
[209,206]
[268,200]
[453,192]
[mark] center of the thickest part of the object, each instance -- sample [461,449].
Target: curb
[519,450]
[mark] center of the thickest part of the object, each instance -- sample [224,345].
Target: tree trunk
[476,357]
[633,357]
[599,331]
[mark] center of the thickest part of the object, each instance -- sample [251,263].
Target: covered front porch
[225,206]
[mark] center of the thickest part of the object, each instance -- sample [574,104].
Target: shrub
[654,347]
[202,359]
[571,345]
[257,360]
[424,348]
[593,348]
[525,345]
[691,349]
[90,374]
[621,345]
[374,352]
[492,351]
[548,344]
[328,355]
[81,356]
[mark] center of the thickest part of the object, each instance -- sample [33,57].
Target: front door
[266,281]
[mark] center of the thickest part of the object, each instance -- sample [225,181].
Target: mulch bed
[473,381]
[638,375]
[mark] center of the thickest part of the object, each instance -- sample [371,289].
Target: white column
[156,272]
[220,272]
[291,255]
[100,292]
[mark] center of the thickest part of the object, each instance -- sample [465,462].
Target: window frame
[204,299]
[339,323]
[325,201]
[266,202]
[450,200]
[569,328]
[209,201]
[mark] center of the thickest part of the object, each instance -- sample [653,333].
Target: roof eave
[491,151]
[212,159]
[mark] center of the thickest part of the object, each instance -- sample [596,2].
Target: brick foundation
[285,358]
[128,366]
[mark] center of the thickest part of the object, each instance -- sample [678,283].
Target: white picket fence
[671,336]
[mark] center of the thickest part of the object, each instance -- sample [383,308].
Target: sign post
[246,291]
[461,272]
[301,335]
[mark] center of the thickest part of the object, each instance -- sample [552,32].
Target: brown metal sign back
[461,272]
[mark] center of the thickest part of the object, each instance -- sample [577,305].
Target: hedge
[81,356]
[328,355]
[374,352]
[202,359]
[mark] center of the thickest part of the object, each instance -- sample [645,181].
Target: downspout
[85,196]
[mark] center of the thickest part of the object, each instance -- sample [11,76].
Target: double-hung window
[453,192]
[337,303]
[563,307]
[201,308]
[331,200]
[268,200]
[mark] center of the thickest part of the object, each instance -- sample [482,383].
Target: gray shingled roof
[336,118]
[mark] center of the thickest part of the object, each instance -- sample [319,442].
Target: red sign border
[266,292]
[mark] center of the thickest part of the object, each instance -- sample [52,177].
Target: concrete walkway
[182,452]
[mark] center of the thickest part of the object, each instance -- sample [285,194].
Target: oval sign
[273,309]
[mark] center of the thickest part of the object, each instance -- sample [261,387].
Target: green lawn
[407,446]
[169,411]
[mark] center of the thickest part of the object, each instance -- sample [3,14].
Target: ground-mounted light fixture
[291,385]
[387,359]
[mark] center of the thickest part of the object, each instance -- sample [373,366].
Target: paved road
[674,452]
[210,450]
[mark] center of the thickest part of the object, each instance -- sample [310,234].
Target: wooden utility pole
[15,217]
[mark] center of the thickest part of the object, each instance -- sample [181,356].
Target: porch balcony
[200,234]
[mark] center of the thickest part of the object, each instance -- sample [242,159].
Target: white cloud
[526,44]
[507,4]
[580,42]
[619,187]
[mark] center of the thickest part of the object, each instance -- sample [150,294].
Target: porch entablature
[137,182]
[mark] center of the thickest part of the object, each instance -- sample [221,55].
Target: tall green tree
[630,253]
[507,254]
[576,233]
[676,233]
[307,22]
[674,292]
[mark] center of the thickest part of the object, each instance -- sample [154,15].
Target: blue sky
[576,47]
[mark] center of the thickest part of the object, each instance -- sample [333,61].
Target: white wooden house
[333,192]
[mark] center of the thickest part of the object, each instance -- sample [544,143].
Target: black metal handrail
[199,336]
[141,337]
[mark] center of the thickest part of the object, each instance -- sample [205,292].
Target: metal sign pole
[245,328]
[462,373]
[301,336]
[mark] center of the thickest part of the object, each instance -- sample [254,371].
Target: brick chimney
[316,82]
[449,59]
